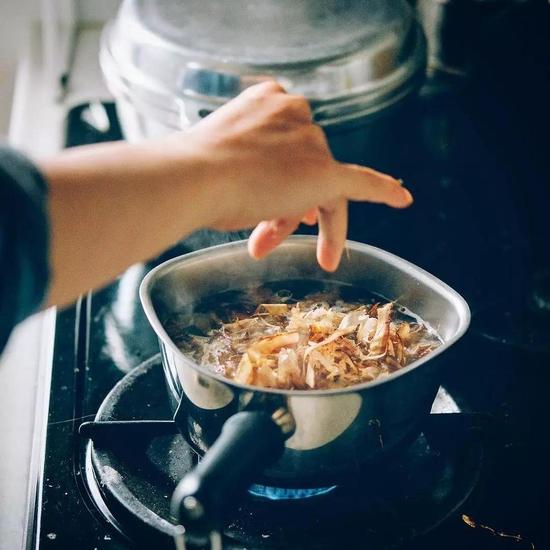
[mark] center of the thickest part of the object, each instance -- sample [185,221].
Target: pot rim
[461,306]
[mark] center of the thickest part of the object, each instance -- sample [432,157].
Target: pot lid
[331,51]
[267,32]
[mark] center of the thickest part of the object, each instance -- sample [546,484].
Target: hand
[257,158]
[266,160]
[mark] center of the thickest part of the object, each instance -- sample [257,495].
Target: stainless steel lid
[350,58]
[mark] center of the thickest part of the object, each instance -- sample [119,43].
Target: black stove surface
[133,474]
[472,225]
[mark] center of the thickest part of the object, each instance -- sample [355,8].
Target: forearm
[116,204]
[257,158]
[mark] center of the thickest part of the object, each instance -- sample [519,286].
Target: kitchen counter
[37,128]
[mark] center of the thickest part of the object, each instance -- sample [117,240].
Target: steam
[207,237]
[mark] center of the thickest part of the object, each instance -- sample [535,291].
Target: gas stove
[133,468]
[475,478]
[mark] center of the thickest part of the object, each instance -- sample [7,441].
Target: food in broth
[317,342]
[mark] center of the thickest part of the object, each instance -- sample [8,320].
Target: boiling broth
[196,329]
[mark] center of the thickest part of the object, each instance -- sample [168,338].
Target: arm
[257,158]
[114,204]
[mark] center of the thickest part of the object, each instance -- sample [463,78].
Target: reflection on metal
[115,344]
[204,392]
[444,403]
[97,117]
[284,419]
[122,320]
[320,420]
[124,305]
[214,539]
[179,538]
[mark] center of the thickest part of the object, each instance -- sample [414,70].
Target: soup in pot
[302,335]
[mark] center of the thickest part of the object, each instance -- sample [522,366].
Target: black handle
[114,431]
[249,442]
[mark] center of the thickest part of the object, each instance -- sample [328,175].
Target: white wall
[96,10]
[15,20]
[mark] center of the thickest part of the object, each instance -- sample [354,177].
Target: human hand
[266,163]
[258,160]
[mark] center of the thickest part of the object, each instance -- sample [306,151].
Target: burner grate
[134,480]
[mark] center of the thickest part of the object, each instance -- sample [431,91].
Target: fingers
[268,235]
[333,225]
[296,107]
[268,86]
[365,184]
[310,217]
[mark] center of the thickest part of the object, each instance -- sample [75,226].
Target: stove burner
[131,483]
[280,493]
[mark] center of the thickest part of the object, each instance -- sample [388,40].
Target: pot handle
[248,443]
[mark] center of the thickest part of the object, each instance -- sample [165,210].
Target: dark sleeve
[24,269]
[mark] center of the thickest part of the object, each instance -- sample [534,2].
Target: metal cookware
[291,438]
[170,63]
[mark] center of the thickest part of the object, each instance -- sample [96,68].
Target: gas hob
[480,477]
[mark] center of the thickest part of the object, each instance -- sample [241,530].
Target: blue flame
[279,493]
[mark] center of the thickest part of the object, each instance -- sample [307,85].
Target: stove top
[132,475]
[476,479]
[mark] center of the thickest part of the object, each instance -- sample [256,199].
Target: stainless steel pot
[168,64]
[292,438]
